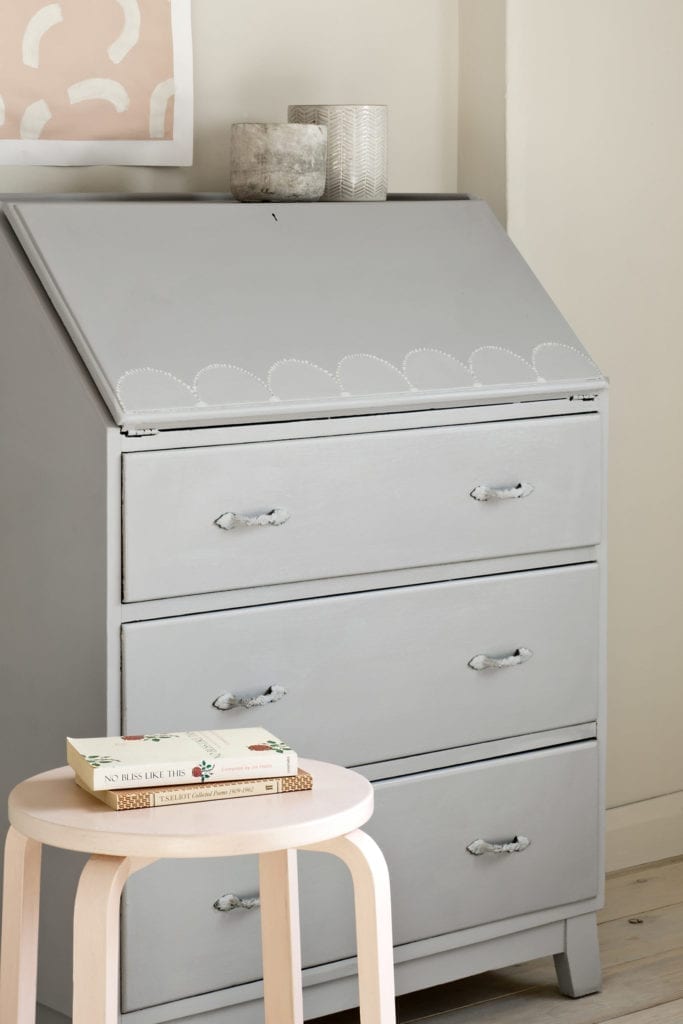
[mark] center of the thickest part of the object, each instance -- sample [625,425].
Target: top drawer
[357,503]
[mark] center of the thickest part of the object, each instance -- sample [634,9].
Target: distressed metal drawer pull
[230,902]
[516,845]
[485,493]
[229,520]
[227,701]
[481,661]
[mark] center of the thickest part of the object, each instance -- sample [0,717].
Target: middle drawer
[379,675]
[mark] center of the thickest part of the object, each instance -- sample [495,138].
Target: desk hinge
[143,432]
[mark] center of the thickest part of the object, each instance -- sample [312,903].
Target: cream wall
[254,59]
[481,102]
[595,203]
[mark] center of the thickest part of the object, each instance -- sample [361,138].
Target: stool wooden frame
[50,809]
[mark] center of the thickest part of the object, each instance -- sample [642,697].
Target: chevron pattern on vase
[356,148]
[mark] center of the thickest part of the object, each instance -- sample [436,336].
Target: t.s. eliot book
[164,796]
[179,758]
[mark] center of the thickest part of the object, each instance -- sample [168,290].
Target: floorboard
[629,987]
[669,1013]
[638,890]
[644,934]
[641,943]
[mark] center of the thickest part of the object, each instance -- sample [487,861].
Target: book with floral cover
[166,796]
[179,758]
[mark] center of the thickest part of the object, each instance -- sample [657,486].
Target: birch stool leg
[280,938]
[372,900]
[96,938]
[578,968]
[20,911]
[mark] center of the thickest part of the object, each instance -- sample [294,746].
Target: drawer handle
[516,845]
[229,520]
[481,661]
[227,701]
[485,493]
[229,902]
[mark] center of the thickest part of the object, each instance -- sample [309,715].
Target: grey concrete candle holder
[356,148]
[278,162]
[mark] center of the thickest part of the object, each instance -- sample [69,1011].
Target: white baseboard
[647,831]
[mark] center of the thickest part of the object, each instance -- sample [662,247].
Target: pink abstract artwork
[95,81]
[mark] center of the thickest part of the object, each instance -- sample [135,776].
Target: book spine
[80,766]
[112,776]
[191,795]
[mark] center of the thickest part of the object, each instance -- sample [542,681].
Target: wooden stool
[51,809]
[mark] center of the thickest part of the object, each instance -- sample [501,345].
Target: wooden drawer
[351,664]
[176,945]
[356,504]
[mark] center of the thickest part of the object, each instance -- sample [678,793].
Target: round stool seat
[52,809]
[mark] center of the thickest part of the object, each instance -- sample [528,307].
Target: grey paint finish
[578,965]
[477,752]
[52,567]
[549,796]
[61,640]
[163,960]
[334,987]
[356,504]
[353,664]
[46,1016]
[207,311]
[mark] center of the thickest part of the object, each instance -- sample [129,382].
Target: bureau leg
[20,910]
[578,968]
[96,938]
[280,937]
[372,900]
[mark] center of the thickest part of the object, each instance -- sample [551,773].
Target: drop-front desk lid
[191,313]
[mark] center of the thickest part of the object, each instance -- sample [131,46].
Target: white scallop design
[100,89]
[158,105]
[297,378]
[2,111]
[364,374]
[554,361]
[493,365]
[41,22]
[34,119]
[148,389]
[223,384]
[430,369]
[130,33]
[290,380]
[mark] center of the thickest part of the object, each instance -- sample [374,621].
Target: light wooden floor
[641,939]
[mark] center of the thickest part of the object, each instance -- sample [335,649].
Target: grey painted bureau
[347,457]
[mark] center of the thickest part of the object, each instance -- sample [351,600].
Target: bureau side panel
[52,567]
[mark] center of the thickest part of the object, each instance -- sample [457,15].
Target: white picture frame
[175,152]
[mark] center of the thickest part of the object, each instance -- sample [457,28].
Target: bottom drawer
[424,824]
[176,945]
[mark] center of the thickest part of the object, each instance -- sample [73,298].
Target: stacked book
[158,769]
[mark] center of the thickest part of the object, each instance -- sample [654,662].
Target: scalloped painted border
[337,375]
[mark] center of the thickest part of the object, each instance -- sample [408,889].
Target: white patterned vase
[356,148]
